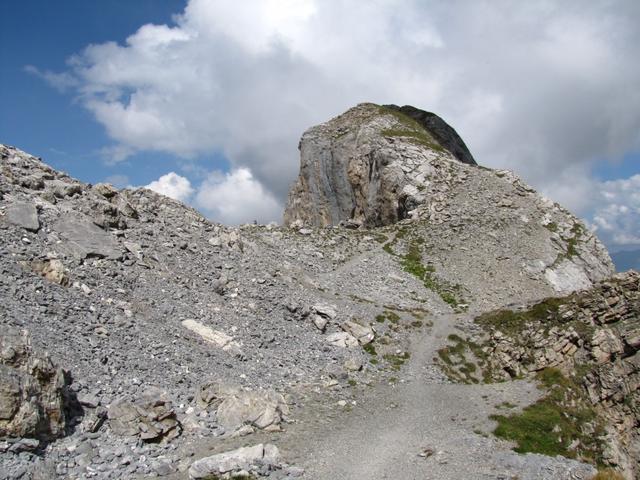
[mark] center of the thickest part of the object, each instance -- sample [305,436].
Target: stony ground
[147,305]
[416,424]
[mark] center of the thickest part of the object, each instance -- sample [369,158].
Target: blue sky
[53,124]
[206,99]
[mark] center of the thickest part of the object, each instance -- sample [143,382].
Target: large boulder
[82,238]
[236,463]
[150,417]
[34,395]
[260,409]
[23,214]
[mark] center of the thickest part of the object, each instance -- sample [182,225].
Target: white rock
[235,461]
[342,339]
[216,337]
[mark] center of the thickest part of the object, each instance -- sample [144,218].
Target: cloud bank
[542,88]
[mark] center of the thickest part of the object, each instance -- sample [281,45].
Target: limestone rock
[363,333]
[441,131]
[51,269]
[260,409]
[149,417]
[342,340]
[369,166]
[33,391]
[245,459]
[24,215]
[83,239]
[215,337]
[322,314]
[212,394]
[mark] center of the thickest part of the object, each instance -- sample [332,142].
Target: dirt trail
[418,428]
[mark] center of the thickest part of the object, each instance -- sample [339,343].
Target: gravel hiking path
[419,428]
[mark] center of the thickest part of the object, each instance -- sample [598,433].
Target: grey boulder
[149,417]
[83,239]
[24,215]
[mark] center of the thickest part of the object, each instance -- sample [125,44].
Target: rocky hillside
[139,338]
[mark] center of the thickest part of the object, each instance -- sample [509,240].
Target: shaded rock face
[597,333]
[33,391]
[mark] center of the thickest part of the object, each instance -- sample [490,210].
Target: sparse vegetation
[457,366]
[572,243]
[370,349]
[410,129]
[608,474]
[411,262]
[545,314]
[396,360]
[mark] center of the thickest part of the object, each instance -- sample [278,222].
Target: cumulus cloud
[543,88]
[172,185]
[617,215]
[237,197]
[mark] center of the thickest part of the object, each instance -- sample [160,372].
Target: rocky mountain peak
[370,165]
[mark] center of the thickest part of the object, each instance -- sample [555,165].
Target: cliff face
[369,165]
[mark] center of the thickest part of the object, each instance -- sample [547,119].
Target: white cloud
[60,81]
[617,214]
[542,88]
[236,197]
[172,185]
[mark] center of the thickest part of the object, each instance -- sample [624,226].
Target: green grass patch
[512,322]
[370,349]
[553,423]
[409,129]
[572,251]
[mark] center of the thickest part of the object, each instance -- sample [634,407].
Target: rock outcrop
[593,338]
[236,463]
[34,395]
